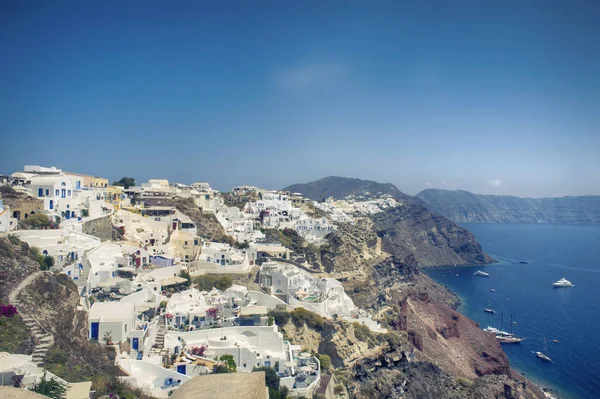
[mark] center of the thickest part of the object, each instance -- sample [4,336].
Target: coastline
[550,390]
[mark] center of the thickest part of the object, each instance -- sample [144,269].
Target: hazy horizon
[489,98]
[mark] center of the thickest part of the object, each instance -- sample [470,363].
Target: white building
[114,319]
[296,287]
[7,222]
[250,346]
[14,367]
[66,246]
[222,258]
[188,309]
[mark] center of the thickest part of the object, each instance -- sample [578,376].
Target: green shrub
[51,388]
[37,221]
[206,282]
[325,361]
[13,333]
[362,332]
[280,317]
[46,262]
[338,389]
[301,316]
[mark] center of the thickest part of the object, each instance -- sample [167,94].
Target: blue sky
[492,97]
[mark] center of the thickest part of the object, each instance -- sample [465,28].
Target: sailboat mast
[501,321]
[511,324]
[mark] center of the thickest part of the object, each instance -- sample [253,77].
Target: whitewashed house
[7,222]
[296,287]
[114,319]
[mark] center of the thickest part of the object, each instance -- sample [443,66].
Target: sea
[540,313]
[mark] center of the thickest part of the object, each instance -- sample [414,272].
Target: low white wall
[266,300]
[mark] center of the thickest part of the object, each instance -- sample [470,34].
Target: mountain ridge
[341,187]
[463,206]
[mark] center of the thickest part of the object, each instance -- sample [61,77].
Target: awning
[111,282]
[173,281]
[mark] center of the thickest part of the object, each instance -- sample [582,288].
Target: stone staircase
[43,340]
[160,333]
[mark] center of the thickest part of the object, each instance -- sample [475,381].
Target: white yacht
[480,273]
[545,358]
[563,282]
[497,331]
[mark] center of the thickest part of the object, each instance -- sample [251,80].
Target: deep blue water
[570,315]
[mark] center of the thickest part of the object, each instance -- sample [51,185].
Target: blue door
[181,369]
[51,204]
[134,343]
[95,330]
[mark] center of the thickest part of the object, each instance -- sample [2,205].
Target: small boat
[541,355]
[480,273]
[492,290]
[524,262]
[497,331]
[509,340]
[492,311]
[563,282]
[545,358]
[555,341]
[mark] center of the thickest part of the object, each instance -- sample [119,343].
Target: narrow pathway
[43,339]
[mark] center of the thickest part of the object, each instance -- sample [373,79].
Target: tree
[276,391]
[107,338]
[242,245]
[325,361]
[231,366]
[186,276]
[51,388]
[125,182]
[46,262]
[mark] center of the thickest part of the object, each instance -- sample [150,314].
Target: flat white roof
[111,311]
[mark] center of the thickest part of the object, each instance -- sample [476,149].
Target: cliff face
[465,207]
[411,230]
[406,230]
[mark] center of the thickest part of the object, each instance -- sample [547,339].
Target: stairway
[43,340]
[160,333]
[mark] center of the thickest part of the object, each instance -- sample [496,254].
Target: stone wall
[100,227]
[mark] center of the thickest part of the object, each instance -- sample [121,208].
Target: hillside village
[173,303]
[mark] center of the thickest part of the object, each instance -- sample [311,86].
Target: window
[69,193]
[185,243]
[47,192]
[56,192]
[125,328]
[40,192]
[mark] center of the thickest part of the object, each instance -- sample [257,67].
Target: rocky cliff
[465,207]
[406,230]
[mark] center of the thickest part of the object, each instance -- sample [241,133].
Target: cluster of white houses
[135,292]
